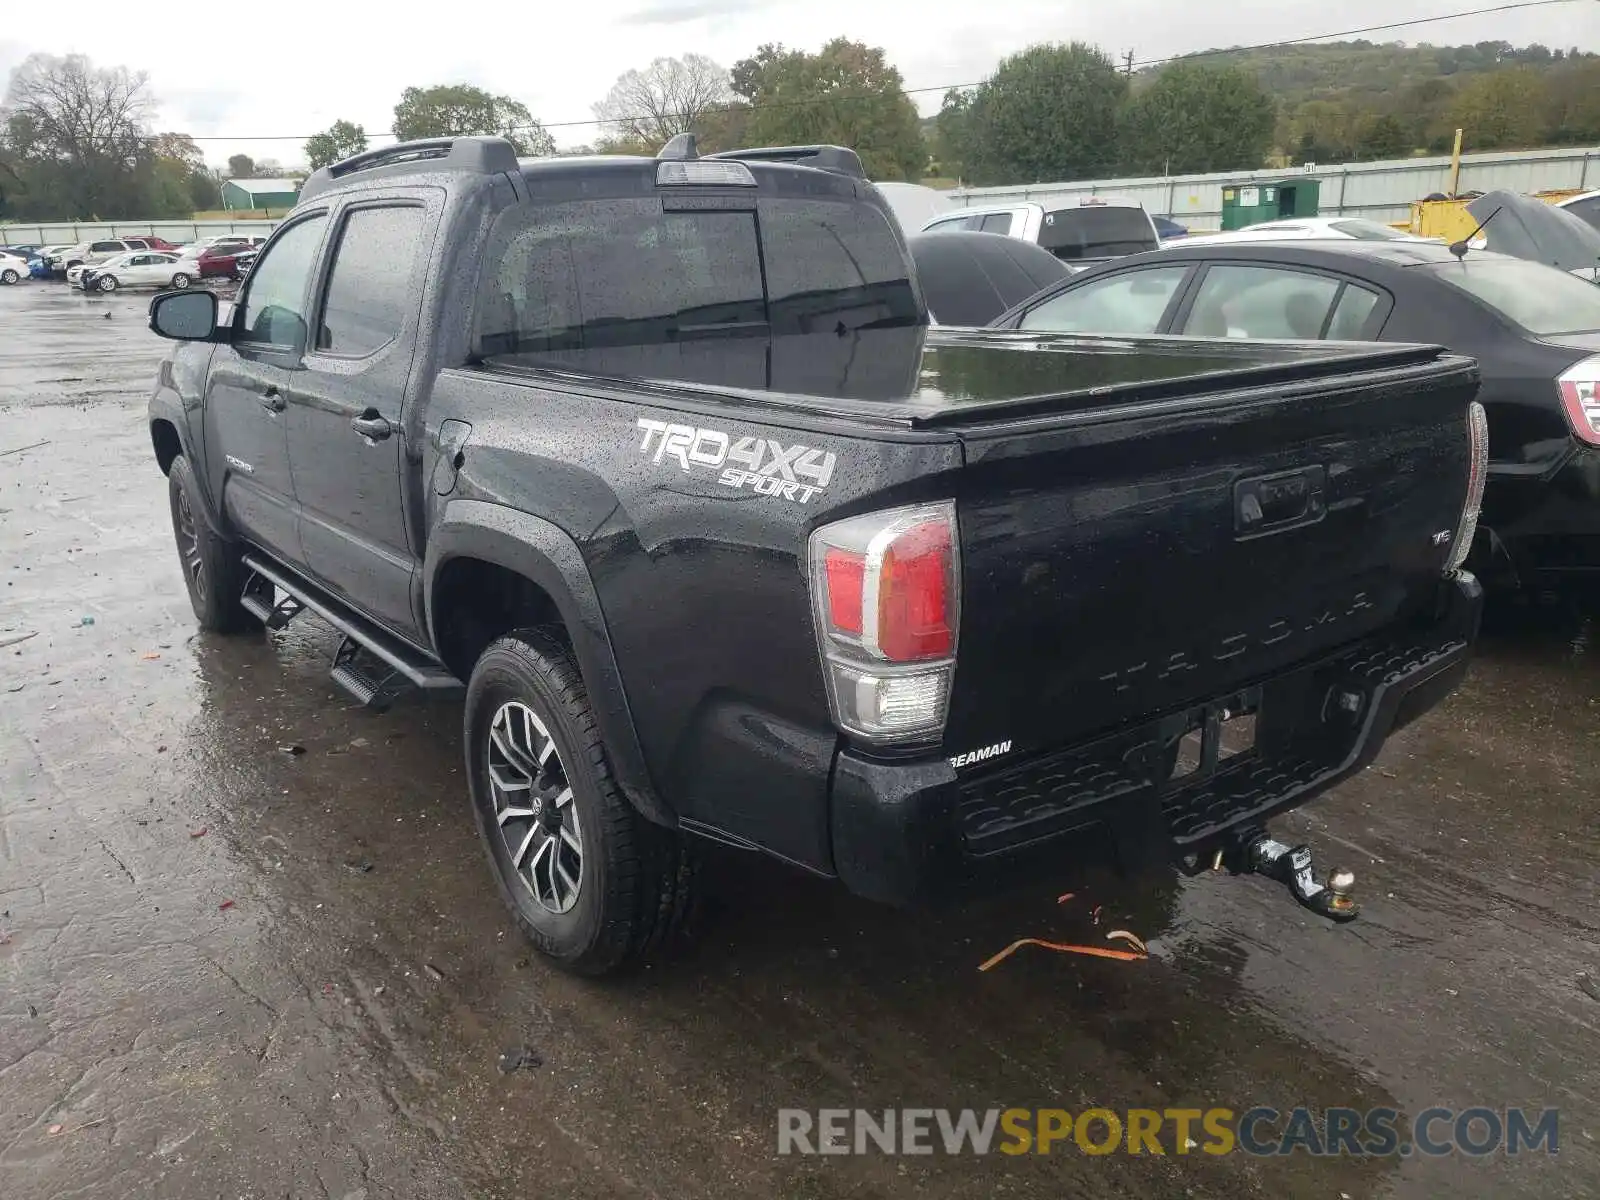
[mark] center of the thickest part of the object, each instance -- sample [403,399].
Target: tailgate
[1125,560]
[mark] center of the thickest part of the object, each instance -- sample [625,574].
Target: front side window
[1261,302]
[1128,304]
[369,289]
[273,311]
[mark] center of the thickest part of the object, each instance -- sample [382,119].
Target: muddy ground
[228,968]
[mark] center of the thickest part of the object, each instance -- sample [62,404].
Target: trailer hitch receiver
[1257,853]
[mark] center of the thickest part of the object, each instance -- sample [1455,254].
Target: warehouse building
[250,195]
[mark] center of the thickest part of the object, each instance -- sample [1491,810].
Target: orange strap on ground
[1064,948]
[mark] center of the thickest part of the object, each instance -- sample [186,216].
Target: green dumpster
[1269,200]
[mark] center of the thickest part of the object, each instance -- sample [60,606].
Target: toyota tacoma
[659,461]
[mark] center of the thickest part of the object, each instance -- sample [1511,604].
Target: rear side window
[996,223]
[623,272]
[1097,231]
[105,247]
[369,289]
[1351,313]
[1261,302]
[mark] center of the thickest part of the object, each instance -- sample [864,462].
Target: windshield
[1367,231]
[627,272]
[1097,231]
[1538,298]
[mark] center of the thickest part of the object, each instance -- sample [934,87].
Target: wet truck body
[910,608]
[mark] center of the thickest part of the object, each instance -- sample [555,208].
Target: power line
[947,87]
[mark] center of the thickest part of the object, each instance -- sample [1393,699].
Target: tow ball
[1257,853]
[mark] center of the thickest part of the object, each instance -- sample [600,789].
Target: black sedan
[970,278]
[1534,330]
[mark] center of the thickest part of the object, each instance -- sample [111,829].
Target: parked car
[85,254]
[1167,228]
[144,268]
[719,586]
[220,260]
[1083,232]
[971,278]
[13,268]
[1511,223]
[150,242]
[22,252]
[1534,330]
[243,261]
[1309,228]
[39,264]
[1585,206]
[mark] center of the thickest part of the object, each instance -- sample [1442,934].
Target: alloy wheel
[533,807]
[189,544]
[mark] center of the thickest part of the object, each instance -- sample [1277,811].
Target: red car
[149,243]
[218,261]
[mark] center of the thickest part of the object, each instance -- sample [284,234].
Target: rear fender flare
[544,553]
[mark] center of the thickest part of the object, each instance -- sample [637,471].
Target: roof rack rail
[836,159]
[480,155]
[681,147]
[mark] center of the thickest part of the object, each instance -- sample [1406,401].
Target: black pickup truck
[660,459]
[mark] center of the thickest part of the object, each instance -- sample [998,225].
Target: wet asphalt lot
[229,969]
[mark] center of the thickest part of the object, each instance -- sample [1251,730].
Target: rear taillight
[886,591]
[1580,396]
[1477,472]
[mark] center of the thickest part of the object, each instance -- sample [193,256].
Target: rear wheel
[592,884]
[180,281]
[213,568]
[8,276]
[106,283]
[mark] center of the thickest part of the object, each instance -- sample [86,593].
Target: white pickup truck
[1080,232]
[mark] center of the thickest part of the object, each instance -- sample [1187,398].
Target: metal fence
[1381,191]
[70,233]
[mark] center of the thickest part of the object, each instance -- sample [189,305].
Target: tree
[1195,118]
[670,96]
[338,141]
[1381,137]
[241,166]
[459,109]
[76,136]
[1048,113]
[1502,108]
[846,94]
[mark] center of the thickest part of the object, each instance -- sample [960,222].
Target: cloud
[681,12]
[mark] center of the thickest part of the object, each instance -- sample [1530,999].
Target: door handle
[272,399]
[371,425]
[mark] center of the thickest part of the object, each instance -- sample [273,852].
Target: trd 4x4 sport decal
[755,464]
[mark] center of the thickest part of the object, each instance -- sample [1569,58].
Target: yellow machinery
[1449,219]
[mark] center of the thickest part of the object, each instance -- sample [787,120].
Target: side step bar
[373,665]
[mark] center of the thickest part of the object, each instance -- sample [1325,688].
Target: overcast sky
[296,66]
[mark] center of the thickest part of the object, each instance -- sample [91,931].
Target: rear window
[1368,231]
[1097,231]
[1538,298]
[624,272]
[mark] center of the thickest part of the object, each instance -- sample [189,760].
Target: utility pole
[1127,64]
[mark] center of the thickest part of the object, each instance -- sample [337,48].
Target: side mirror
[184,316]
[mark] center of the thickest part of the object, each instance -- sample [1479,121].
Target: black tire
[180,280]
[213,568]
[636,882]
[8,277]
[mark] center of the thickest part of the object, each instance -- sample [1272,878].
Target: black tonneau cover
[926,378]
